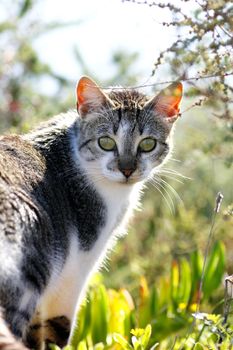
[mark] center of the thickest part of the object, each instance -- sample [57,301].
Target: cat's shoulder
[19,160]
[57,124]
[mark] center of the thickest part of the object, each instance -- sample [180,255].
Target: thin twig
[218,202]
[228,297]
[226,32]
[168,81]
[174,344]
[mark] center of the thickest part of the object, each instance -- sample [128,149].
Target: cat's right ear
[89,96]
[167,102]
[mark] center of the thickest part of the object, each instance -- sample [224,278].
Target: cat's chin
[125,181]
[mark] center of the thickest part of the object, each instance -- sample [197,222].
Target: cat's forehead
[127,98]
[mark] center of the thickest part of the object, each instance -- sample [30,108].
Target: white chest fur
[65,290]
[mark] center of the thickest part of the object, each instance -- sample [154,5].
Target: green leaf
[99,314]
[214,269]
[120,340]
[175,276]
[153,302]
[57,25]
[197,260]
[54,347]
[99,346]
[82,345]
[68,347]
[82,325]
[27,4]
[146,336]
[144,314]
[198,346]
[7,26]
[185,283]
[136,343]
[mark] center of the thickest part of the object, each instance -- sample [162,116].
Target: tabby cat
[67,190]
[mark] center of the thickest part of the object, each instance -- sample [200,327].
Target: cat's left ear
[167,102]
[89,96]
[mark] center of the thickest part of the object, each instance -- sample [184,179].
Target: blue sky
[105,26]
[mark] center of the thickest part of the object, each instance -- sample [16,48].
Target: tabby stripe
[84,144]
[138,112]
[33,281]
[36,274]
[119,114]
[21,313]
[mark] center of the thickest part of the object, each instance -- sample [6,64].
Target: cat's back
[21,170]
[21,165]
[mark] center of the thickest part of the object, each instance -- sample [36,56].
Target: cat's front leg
[56,331]
[7,340]
[24,262]
[40,334]
[16,311]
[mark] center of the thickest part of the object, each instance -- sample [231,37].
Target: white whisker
[174,160]
[167,193]
[171,189]
[172,178]
[156,185]
[172,172]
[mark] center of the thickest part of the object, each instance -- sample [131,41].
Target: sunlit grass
[114,319]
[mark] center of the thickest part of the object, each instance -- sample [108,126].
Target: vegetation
[155,272]
[170,306]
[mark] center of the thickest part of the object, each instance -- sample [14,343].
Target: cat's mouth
[123,178]
[129,180]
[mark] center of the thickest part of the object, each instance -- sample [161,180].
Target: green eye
[106,143]
[147,145]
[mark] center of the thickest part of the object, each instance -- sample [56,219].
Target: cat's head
[124,136]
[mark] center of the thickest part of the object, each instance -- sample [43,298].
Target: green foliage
[22,100]
[169,306]
[205,42]
[214,269]
[139,340]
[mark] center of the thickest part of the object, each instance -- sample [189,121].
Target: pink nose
[127,172]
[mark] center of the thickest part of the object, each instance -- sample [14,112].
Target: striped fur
[63,202]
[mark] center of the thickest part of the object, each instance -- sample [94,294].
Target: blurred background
[45,46]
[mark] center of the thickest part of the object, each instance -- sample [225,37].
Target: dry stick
[173,346]
[227,302]
[220,74]
[227,298]
[218,202]
[195,104]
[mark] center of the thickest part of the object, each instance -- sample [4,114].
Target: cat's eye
[106,143]
[147,145]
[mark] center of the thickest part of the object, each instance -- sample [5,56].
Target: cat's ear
[167,102]
[89,96]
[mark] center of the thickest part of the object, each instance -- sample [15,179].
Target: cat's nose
[127,166]
[127,172]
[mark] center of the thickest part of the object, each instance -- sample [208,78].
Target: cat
[67,191]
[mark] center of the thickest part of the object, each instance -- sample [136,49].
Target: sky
[102,28]
[106,26]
